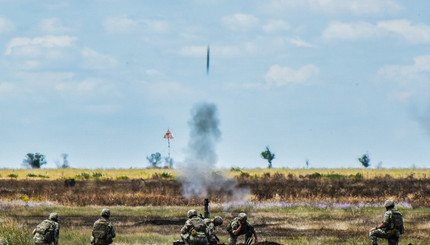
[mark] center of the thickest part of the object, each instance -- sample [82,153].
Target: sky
[323,81]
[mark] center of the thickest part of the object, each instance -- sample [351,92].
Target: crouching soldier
[194,231]
[391,227]
[211,225]
[103,230]
[240,226]
[48,231]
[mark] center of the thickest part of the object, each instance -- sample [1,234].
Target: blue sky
[318,80]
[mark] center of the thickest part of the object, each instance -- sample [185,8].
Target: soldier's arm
[113,231]
[186,228]
[57,234]
[236,231]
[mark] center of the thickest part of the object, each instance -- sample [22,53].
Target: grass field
[67,173]
[298,206]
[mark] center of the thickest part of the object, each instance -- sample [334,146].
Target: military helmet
[389,203]
[242,216]
[191,213]
[218,221]
[53,216]
[105,212]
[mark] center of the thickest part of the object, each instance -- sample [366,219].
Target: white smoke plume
[199,178]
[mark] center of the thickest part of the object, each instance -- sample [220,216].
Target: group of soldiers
[48,231]
[200,231]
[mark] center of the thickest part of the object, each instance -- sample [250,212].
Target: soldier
[48,231]
[211,225]
[391,227]
[103,230]
[240,226]
[194,231]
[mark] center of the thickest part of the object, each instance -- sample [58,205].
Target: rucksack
[46,230]
[198,224]
[101,231]
[397,220]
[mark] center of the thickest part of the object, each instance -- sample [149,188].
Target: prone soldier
[391,227]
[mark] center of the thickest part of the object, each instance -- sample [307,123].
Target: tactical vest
[45,232]
[102,232]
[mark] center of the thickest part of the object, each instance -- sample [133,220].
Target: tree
[365,160]
[34,160]
[65,163]
[154,159]
[268,155]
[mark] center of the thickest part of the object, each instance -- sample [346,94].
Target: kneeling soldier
[391,227]
[103,230]
[240,226]
[48,231]
[194,231]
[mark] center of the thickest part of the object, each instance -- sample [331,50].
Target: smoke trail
[199,177]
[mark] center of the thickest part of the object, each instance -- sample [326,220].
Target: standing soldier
[194,231]
[48,231]
[240,226]
[103,230]
[211,224]
[391,227]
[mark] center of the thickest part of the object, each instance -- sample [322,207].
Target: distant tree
[307,163]
[268,155]
[365,160]
[154,159]
[167,163]
[65,163]
[34,160]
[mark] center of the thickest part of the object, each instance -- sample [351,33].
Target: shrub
[97,175]
[122,177]
[31,175]
[37,175]
[237,169]
[83,175]
[334,176]
[13,176]
[315,175]
[163,175]
[244,174]
[356,176]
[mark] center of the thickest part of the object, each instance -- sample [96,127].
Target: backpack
[397,221]
[198,224]
[101,231]
[46,232]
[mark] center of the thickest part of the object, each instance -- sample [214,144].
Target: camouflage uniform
[194,232]
[211,224]
[39,238]
[103,230]
[390,232]
[247,229]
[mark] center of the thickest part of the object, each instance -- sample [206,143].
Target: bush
[356,176]
[83,175]
[334,176]
[37,175]
[315,175]
[13,176]
[122,177]
[97,175]
[236,169]
[163,175]
[244,174]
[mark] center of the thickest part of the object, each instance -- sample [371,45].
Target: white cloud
[96,61]
[5,25]
[350,31]
[52,25]
[30,47]
[300,43]
[7,87]
[419,33]
[124,24]
[408,80]
[280,76]
[276,25]
[241,22]
[356,7]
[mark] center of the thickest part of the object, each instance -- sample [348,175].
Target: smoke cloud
[199,178]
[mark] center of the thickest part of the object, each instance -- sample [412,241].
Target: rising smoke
[199,178]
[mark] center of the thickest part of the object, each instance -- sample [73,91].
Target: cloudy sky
[318,80]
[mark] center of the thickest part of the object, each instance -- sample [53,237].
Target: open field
[315,206]
[67,173]
[161,225]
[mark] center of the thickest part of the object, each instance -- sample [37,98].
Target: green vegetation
[12,176]
[269,156]
[122,177]
[37,176]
